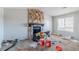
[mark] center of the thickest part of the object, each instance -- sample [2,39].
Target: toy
[42,35]
[42,42]
[48,43]
[54,42]
[48,33]
[58,48]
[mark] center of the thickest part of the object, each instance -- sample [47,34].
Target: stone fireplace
[35,22]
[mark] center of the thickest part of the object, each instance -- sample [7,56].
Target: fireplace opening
[36,29]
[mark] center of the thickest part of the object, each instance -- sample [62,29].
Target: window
[65,24]
[61,24]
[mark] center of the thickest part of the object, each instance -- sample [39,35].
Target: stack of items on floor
[42,39]
[45,41]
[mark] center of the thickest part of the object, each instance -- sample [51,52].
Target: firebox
[36,29]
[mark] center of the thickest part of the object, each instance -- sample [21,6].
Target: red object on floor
[48,43]
[42,42]
[58,48]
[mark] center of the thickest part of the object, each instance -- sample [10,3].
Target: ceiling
[55,11]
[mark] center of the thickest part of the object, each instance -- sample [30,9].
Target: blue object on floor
[54,42]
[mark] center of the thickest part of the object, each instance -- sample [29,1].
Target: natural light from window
[66,24]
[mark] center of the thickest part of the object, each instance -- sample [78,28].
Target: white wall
[47,20]
[1,25]
[76,25]
[48,23]
[14,28]
[14,20]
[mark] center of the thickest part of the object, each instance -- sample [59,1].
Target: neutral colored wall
[76,25]
[48,23]
[15,18]
[1,25]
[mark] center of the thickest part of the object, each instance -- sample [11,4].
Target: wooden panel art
[35,15]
